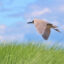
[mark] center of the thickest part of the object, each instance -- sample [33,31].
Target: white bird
[43,27]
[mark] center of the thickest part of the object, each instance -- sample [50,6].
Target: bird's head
[31,22]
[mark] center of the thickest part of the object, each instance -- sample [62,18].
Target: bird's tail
[55,28]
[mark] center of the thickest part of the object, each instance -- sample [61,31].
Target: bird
[43,27]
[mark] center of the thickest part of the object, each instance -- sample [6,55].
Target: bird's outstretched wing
[46,33]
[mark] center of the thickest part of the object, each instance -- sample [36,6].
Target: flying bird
[43,27]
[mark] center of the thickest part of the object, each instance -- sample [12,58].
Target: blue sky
[14,15]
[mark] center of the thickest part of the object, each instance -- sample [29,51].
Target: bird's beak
[30,22]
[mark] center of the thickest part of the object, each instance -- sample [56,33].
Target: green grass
[30,54]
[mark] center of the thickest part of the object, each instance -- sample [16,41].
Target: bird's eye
[33,21]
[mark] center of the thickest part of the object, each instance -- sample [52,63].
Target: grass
[30,54]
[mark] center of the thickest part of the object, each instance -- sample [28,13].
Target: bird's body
[43,27]
[40,24]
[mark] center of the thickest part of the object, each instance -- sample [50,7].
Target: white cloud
[41,12]
[2,29]
[1,37]
[17,32]
[14,37]
[36,13]
[2,26]
[61,8]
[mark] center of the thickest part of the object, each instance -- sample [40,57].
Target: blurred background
[14,15]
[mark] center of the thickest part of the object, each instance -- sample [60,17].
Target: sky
[14,15]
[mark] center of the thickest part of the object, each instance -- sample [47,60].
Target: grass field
[30,54]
